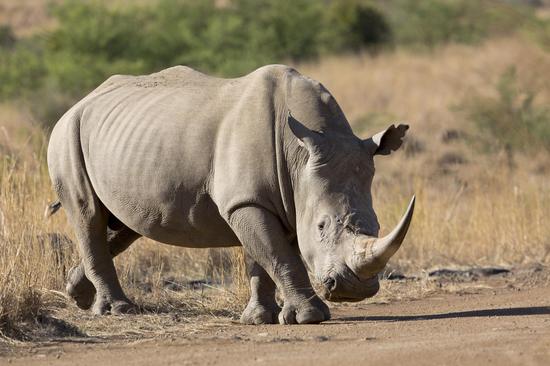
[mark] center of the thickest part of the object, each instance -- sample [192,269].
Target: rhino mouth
[349,298]
[344,299]
[342,289]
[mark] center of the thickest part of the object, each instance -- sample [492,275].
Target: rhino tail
[51,209]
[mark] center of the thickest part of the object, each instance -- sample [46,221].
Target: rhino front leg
[262,307]
[264,239]
[79,287]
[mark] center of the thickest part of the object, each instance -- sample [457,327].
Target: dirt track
[498,326]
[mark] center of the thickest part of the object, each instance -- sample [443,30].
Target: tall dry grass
[500,219]
[26,262]
[473,208]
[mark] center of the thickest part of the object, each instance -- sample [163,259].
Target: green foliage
[226,40]
[95,39]
[511,121]
[353,25]
[7,38]
[539,31]
[21,69]
[432,22]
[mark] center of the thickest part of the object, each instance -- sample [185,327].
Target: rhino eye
[323,223]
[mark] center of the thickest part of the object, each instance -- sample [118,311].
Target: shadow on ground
[521,311]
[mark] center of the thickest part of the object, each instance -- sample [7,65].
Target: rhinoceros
[267,161]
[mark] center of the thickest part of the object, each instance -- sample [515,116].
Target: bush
[22,70]
[94,39]
[7,38]
[511,121]
[197,33]
[352,25]
[224,40]
[433,22]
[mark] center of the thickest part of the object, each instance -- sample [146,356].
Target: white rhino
[267,161]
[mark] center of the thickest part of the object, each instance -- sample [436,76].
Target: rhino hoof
[310,314]
[117,307]
[255,314]
[79,288]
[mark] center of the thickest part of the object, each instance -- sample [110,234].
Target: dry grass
[31,17]
[420,87]
[499,219]
[27,263]
[472,208]
[26,17]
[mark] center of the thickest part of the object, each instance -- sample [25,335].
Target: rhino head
[336,225]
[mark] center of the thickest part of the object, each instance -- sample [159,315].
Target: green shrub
[354,25]
[93,28]
[511,121]
[7,38]
[282,29]
[95,39]
[433,22]
[226,40]
[22,70]
[539,31]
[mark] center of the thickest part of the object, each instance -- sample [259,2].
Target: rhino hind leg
[262,307]
[89,219]
[79,287]
[99,267]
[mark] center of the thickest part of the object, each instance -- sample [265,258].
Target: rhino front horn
[377,251]
[384,248]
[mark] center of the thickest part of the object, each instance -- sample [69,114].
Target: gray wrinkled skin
[267,161]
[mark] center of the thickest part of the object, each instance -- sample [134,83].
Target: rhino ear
[311,140]
[391,139]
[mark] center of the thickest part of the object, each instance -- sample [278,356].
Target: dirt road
[490,326]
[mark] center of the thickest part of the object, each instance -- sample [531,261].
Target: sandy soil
[481,324]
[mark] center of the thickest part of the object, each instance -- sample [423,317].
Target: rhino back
[173,153]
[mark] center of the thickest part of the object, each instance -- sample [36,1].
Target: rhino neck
[291,167]
[312,105]
[290,159]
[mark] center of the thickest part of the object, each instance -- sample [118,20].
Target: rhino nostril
[330,283]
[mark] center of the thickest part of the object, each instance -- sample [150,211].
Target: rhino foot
[79,288]
[313,311]
[256,313]
[104,306]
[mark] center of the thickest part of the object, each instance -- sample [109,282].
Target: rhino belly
[184,217]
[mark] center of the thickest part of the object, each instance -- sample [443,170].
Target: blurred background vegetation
[91,40]
[471,77]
